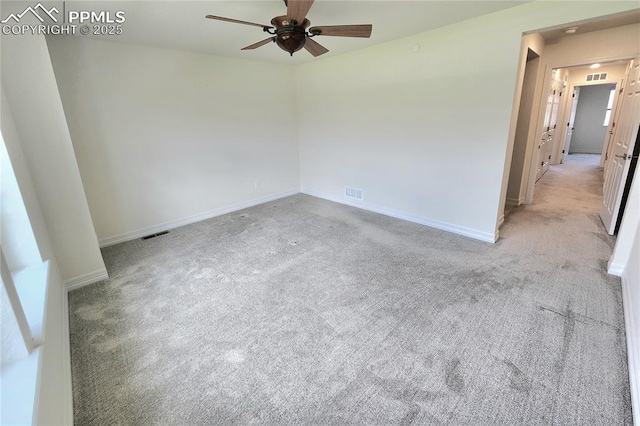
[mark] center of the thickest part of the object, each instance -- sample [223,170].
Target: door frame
[605,142]
[545,81]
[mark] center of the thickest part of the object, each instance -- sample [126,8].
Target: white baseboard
[500,220]
[615,269]
[456,229]
[633,362]
[86,279]
[513,201]
[128,236]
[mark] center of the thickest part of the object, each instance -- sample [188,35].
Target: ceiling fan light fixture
[571,30]
[291,41]
[290,36]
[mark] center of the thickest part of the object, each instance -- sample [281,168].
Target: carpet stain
[605,238]
[567,335]
[517,379]
[453,375]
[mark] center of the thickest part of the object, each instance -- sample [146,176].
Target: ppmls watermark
[51,20]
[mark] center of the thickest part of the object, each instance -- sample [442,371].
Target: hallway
[563,224]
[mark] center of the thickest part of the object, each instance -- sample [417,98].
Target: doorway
[592,117]
[570,66]
[514,188]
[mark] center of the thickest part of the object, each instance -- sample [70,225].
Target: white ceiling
[598,24]
[182,24]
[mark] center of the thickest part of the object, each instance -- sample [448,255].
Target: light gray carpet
[303,311]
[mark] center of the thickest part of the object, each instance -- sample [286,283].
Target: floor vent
[154,235]
[354,193]
[597,76]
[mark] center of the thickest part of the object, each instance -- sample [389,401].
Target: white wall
[32,95]
[164,136]
[589,130]
[17,239]
[43,145]
[625,261]
[615,72]
[599,46]
[424,134]
[631,283]
[21,172]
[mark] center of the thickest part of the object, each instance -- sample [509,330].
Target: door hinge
[563,151]
[554,92]
[549,157]
[573,96]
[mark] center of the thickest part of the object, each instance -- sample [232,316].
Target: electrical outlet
[258,185]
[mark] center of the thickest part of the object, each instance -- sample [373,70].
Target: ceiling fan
[290,32]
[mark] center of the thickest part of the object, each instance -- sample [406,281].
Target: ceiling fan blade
[343,30]
[315,48]
[236,21]
[260,43]
[297,10]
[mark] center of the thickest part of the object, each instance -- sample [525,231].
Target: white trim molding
[514,201]
[86,279]
[456,229]
[632,344]
[128,236]
[615,269]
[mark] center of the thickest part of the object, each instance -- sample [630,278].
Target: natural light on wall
[607,115]
[22,297]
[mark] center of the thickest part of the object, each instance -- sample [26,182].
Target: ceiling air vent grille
[597,76]
[354,193]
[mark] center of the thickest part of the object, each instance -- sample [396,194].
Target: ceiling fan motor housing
[290,36]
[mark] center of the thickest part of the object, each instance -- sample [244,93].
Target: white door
[624,136]
[572,119]
[548,132]
[553,125]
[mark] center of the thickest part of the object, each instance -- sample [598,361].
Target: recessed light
[594,66]
[415,47]
[571,30]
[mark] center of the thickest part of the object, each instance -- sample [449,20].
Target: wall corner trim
[455,229]
[616,269]
[86,279]
[632,356]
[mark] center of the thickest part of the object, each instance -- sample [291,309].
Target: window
[607,115]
